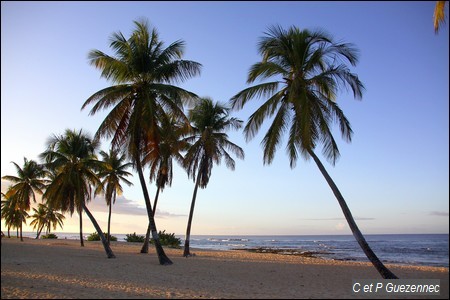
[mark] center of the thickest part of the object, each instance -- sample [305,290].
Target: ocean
[406,249]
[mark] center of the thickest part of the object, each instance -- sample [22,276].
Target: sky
[394,175]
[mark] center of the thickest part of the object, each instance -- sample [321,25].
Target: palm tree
[439,15]
[39,219]
[7,208]
[72,157]
[309,69]
[12,213]
[209,144]
[46,216]
[30,179]
[160,159]
[54,218]
[142,73]
[112,173]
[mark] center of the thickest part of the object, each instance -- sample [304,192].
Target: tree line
[300,74]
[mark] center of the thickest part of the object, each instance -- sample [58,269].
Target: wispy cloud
[439,213]
[124,206]
[340,219]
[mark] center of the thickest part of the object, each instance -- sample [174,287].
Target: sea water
[407,249]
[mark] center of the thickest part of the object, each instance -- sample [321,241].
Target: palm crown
[142,71]
[210,142]
[310,68]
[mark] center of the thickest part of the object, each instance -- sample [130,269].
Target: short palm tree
[209,144]
[8,207]
[39,219]
[72,157]
[46,217]
[160,159]
[113,172]
[54,218]
[30,179]
[143,72]
[13,215]
[309,69]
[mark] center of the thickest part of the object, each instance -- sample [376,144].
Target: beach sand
[63,269]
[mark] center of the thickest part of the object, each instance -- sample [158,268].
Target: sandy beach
[63,269]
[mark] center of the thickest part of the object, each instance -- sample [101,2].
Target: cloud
[439,213]
[124,206]
[339,219]
[340,226]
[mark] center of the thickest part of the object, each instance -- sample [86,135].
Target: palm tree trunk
[109,218]
[163,259]
[147,235]
[39,231]
[186,252]
[108,250]
[21,237]
[381,268]
[80,212]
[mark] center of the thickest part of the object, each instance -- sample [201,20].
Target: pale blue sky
[394,175]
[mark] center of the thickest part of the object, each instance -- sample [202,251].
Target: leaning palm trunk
[163,259]
[108,250]
[39,231]
[381,268]
[147,235]
[186,252]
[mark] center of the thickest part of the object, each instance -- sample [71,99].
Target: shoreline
[319,246]
[63,269]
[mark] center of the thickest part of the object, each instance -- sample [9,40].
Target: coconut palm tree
[7,208]
[142,72]
[160,159]
[113,171]
[39,219]
[439,15]
[72,157]
[30,179]
[54,218]
[46,216]
[12,213]
[308,69]
[209,144]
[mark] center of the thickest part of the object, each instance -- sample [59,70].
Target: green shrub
[132,238]
[96,237]
[50,236]
[168,239]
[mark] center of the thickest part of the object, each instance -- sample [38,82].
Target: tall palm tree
[209,144]
[309,68]
[142,72]
[160,159]
[439,15]
[113,171]
[30,179]
[72,157]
